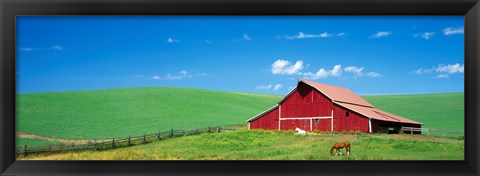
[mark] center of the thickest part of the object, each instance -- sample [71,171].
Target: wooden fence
[122,142]
[432,131]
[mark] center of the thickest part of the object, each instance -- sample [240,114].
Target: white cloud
[381,34]
[283,67]
[270,87]
[425,35]
[341,34]
[444,71]
[443,76]
[208,42]
[423,70]
[156,77]
[264,87]
[30,49]
[57,47]
[277,87]
[373,74]
[182,75]
[336,71]
[322,73]
[450,68]
[357,71]
[302,35]
[246,37]
[453,30]
[27,49]
[172,40]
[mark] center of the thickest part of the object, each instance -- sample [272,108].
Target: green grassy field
[104,114]
[35,143]
[433,110]
[277,145]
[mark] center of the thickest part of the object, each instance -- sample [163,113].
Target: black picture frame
[9,9]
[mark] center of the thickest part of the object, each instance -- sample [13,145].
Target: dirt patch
[335,137]
[64,141]
[419,138]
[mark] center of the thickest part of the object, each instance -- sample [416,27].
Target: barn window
[317,121]
[346,114]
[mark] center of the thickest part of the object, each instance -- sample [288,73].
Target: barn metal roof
[338,94]
[347,99]
[376,114]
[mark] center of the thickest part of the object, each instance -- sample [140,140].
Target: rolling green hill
[445,111]
[105,114]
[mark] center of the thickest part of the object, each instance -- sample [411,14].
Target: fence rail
[433,131]
[123,142]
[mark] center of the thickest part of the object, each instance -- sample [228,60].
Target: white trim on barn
[279,115]
[370,125]
[332,121]
[306,118]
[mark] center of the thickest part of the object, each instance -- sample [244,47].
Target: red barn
[314,106]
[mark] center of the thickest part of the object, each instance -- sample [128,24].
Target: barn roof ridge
[339,94]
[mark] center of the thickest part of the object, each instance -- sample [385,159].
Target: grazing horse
[300,131]
[339,145]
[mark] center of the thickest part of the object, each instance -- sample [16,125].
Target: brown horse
[339,145]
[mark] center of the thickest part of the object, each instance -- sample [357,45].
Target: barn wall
[354,121]
[268,121]
[323,125]
[303,124]
[306,102]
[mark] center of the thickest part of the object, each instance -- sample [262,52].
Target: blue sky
[368,54]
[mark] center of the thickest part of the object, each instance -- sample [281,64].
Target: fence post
[171,133]
[218,129]
[183,132]
[113,143]
[129,141]
[94,145]
[158,134]
[428,131]
[196,131]
[144,140]
[50,148]
[209,128]
[25,151]
[411,130]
